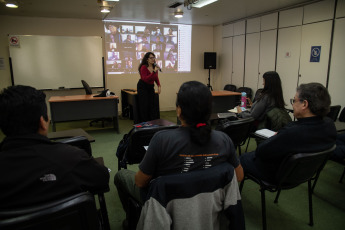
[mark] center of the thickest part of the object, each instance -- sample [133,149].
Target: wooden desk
[70,133]
[224,100]
[83,107]
[129,105]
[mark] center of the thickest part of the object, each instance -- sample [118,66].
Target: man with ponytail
[193,146]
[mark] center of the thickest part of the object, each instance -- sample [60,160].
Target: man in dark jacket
[312,132]
[33,169]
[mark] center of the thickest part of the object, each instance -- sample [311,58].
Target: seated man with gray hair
[312,132]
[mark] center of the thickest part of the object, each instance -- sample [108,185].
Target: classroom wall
[202,41]
[298,30]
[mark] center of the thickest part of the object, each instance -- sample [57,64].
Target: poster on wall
[315,54]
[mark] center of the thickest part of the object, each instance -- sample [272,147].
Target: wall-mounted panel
[253,25]
[314,61]
[252,60]
[288,55]
[52,62]
[228,30]
[293,17]
[337,74]
[226,61]
[240,28]
[319,11]
[268,41]
[238,60]
[340,9]
[269,22]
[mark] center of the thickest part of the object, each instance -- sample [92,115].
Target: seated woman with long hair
[271,96]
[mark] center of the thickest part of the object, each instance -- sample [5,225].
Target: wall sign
[315,54]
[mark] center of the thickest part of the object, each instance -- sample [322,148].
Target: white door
[238,60]
[316,39]
[252,61]
[288,55]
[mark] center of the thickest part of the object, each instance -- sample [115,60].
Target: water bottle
[244,100]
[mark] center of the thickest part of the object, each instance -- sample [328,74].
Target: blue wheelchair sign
[315,54]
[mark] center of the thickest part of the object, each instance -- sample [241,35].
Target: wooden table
[224,100]
[83,107]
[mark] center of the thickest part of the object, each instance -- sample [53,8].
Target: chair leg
[342,176]
[263,207]
[241,185]
[277,196]
[315,180]
[310,194]
[239,150]
[247,144]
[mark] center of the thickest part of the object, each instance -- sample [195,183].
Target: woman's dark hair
[21,108]
[318,98]
[145,59]
[273,88]
[195,101]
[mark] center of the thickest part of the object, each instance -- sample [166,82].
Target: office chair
[131,149]
[83,143]
[77,212]
[294,170]
[78,141]
[88,91]
[342,115]
[238,131]
[171,198]
[87,88]
[334,112]
[230,87]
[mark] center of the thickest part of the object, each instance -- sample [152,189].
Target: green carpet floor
[290,213]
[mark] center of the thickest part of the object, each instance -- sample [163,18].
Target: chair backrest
[87,88]
[78,141]
[230,87]
[299,168]
[205,193]
[139,138]
[334,112]
[238,130]
[342,115]
[248,91]
[77,212]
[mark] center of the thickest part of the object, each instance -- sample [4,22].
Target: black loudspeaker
[210,60]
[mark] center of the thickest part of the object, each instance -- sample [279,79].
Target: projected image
[127,43]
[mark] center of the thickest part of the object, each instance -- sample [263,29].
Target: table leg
[116,124]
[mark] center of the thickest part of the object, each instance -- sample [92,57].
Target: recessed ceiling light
[11,4]
[105,10]
[178,14]
[202,3]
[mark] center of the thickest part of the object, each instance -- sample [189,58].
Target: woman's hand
[156,69]
[239,110]
[159,89]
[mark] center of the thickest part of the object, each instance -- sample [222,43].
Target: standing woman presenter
[148,71]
